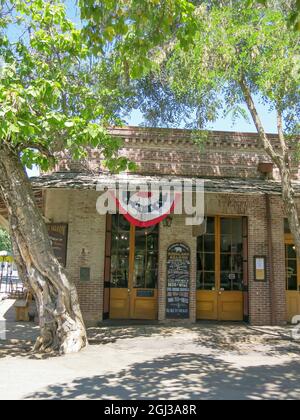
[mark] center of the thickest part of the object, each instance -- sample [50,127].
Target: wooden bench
[22,308]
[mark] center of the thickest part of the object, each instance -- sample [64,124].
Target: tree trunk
[290,207]
[283,163]
[61,323]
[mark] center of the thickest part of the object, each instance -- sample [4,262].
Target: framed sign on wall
[58,233]
[260,268]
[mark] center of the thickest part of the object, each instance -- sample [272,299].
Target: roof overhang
[84,181]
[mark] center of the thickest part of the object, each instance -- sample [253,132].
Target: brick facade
[173,152]
[86,243]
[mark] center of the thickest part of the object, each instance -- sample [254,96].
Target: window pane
[226,281]
[237,282]
[226,243]
[232,254]
[200,262]
[119,278]
[206,281]
[237,235]
[210,228]
[226,226]
[146,258]
[291,251]
[237,263]
[209,262]
[120,252]
[151,279]
[152,242]
[292,283]
[209,243]
[225,262]
[200,240]
[199,280]
[209,281]
[292,267]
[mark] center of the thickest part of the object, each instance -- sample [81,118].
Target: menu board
[58,233]
[178,281]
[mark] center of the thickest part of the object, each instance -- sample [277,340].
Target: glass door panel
[292,279]
[220,270]
[206,258]
[146,258]
[120,252]
[231,254]
[291,268]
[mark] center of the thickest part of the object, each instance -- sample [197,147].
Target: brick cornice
[182,137]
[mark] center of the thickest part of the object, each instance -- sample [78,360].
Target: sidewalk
[205,361]
[11,330]
[127,361]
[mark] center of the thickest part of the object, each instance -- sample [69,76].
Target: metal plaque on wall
[58,233]
[178,281]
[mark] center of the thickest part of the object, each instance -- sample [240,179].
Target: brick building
[241,266]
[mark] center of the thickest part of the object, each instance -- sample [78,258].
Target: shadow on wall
[184,376]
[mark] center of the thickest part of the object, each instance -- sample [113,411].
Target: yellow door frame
[215,296]
[137,307]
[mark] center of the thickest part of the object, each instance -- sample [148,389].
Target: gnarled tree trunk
[61,323]
[282,161]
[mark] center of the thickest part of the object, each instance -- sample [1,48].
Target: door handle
[129,290]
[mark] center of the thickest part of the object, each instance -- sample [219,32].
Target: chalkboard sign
[58,233]
[178,281]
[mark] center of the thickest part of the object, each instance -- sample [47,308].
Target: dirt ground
[203,361]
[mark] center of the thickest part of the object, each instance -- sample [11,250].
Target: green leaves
[134,29]
[5,242]
[53,94]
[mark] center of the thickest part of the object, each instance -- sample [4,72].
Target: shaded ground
[204,361]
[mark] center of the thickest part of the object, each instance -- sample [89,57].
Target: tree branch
[284,147]
[40,147]
[276,158]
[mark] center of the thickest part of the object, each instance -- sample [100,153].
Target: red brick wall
[169,151]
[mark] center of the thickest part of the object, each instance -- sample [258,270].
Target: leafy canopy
[5,242]
[293,11]
[134,31]
[54,95]
[233,42]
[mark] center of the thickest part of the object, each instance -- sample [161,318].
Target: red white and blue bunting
[145,209]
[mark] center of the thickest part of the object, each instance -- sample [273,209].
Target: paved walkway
[205,361]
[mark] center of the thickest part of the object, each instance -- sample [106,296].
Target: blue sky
[222,124]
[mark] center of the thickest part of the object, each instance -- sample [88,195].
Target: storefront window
[222,247]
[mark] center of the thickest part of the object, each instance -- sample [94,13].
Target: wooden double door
[292,266]
[222,270]
[131,270]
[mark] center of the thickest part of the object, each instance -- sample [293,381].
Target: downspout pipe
[271,259]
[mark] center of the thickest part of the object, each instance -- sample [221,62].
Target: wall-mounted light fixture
[168,221]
